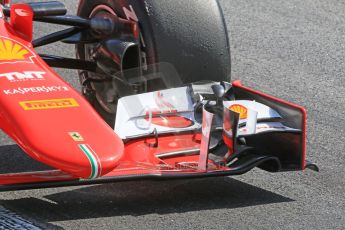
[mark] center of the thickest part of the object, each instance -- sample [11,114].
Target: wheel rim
[105,92]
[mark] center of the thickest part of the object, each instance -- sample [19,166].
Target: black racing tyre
[189,34]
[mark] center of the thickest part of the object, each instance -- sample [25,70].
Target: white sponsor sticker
[39,89]
[243,107]
[23,76]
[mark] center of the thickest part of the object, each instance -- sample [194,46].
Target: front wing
[177,156]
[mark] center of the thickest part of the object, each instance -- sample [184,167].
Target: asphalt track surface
[292,49]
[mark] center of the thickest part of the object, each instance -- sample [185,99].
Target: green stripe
[92,162]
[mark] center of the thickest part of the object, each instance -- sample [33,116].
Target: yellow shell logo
[240,109]
[11,51]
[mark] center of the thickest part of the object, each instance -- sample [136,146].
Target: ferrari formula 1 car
[155,101]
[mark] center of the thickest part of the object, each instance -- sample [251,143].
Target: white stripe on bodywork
[93,161]
[98,160]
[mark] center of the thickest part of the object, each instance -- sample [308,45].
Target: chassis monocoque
[176,130]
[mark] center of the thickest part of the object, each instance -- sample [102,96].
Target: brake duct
[117,55]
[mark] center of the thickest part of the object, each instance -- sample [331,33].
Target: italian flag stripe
[93,161]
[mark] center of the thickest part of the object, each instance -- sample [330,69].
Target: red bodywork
[42,112]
